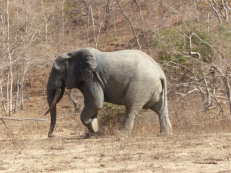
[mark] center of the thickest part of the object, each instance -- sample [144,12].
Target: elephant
[126,77]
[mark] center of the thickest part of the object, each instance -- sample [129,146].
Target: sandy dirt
[205,153]
[24,147]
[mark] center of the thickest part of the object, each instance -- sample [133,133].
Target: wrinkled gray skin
[128,77]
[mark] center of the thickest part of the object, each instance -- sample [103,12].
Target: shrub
[174,43]
[110,118]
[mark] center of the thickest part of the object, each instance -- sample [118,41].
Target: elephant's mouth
[53,103]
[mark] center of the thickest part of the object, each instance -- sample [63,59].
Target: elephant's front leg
[93,102]
[89,118]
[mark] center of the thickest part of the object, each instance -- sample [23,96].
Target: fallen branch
[4,122]
[32,119]
[22,119]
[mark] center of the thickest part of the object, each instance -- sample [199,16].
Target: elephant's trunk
[53,98]
[53,121]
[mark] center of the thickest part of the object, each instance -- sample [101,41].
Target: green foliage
[167,38]
[169,41]
[172,58]
[174,43]
[70,10]
[225,31]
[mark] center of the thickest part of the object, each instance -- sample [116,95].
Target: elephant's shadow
[81,137]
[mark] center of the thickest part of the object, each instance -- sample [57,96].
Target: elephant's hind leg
[133,99]
[128,122]
[161,109]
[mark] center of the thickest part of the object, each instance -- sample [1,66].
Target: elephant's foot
[165,130]
[165,127]
[93,125]
[123,132]
[93,128]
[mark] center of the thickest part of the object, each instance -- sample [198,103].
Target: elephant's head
[69,70]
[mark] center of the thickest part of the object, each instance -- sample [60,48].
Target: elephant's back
[128,63]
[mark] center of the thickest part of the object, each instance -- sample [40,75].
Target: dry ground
[24,146]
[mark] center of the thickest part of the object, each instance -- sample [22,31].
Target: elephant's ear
[88,59]
[85,58]
[59,64]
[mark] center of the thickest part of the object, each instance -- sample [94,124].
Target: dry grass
[187,116]
[197,135]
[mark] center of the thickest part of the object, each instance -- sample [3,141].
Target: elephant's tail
[164,93]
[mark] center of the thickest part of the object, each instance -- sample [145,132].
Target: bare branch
[226,82]
[190,46]
[215,10]
[4,122]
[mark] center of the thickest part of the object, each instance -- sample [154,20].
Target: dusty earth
[24,146]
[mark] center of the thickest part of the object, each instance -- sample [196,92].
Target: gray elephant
[128,77]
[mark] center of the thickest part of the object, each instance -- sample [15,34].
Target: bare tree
[130,24]
[142,23]
[91,17]
[16,40]
[107,15]
[10,76]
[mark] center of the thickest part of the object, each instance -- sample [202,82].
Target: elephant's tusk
[57,93]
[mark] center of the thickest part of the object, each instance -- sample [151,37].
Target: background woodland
[191,39]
